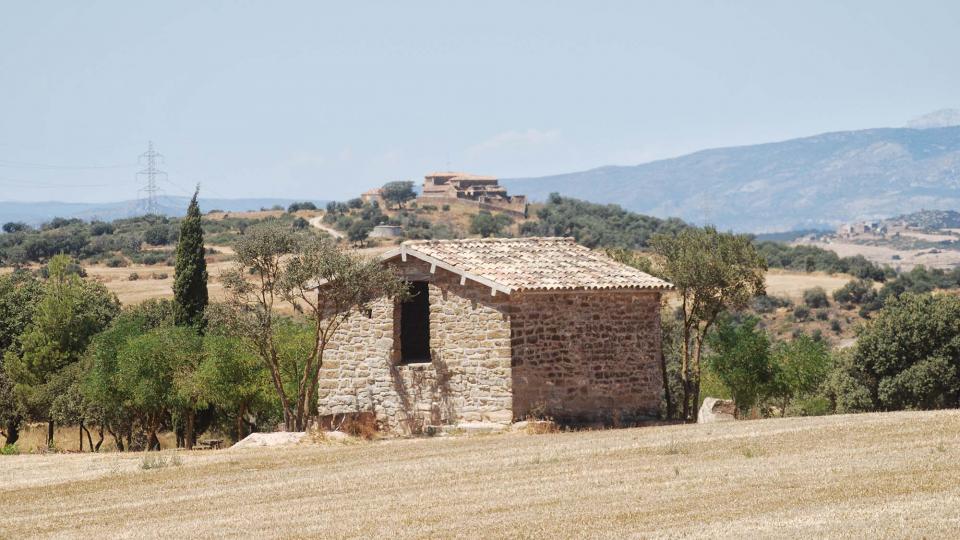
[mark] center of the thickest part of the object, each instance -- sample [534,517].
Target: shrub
[856,291]
[300,224]
[133,276]
[815,298]
[909,357]
[801,313]
[486,224]
[100,228]
[835,326]
[306,205]
[157,235]
[9,450]
[159,275]
[822,315]
[445,208]
[740,356]
[15,226]
[116,262]
[160,461]
[769,304]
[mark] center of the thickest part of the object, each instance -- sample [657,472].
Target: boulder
[716,410]
[280,438]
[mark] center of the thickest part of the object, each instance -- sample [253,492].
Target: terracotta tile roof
[460,176]
[529,264]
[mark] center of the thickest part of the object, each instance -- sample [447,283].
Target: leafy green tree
[740,356]
[235,380]
[358,231]
[321,280]
[157,372]
[398,192]
[297,206]
[190,274]
[597,225]
[20,292]
[486,224]
[70,312]
[909,357]
[70,405]
[712,272]
[112,403]
[846,386]
[801,366]
[11,227]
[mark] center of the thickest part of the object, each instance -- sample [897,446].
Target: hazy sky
[325,99]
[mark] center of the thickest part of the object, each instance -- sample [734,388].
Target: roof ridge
[566,239]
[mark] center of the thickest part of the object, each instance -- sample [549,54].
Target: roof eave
[404,251]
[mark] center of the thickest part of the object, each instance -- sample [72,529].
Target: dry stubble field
[876,475]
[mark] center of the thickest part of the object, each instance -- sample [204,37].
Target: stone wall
[584,357]
[468,378]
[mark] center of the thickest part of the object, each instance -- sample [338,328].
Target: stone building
[483,191]
[500,330]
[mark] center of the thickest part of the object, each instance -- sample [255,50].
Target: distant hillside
[810,182]
[34,213]
[931,219]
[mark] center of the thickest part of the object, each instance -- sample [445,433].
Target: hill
[811,182]
[882,475]
[35,213]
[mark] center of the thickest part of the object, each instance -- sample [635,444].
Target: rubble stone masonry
[573,356]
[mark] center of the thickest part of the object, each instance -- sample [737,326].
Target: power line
[152,173]
[35,184]
[27,165]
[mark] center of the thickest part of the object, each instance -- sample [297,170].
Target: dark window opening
[415,325]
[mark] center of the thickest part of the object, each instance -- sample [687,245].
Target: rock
[535,426]
[279,438]
[716,410]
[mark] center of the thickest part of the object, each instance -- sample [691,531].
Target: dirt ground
[867,476]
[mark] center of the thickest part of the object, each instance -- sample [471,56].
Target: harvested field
[897,258]
[792,284]
[875,475]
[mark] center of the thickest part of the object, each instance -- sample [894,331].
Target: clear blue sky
[325,99]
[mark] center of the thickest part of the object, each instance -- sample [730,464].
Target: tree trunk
[190,436]
[80,429]
[153,442]
[240,422]
[50,434]
[685,373]
[117,439]
[89,438]
[96,447]
[12,433]
[666,385]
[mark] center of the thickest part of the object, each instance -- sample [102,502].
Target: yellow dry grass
[792,284]
[870,476]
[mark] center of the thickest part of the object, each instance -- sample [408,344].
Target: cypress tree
[190,275]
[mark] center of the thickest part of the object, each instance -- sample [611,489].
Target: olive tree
[320,280]
[398,192]
[712,272]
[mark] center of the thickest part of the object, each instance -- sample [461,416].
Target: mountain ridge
[815,181]
[35,213]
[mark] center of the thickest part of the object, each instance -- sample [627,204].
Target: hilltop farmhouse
[482,191]
[499,330]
